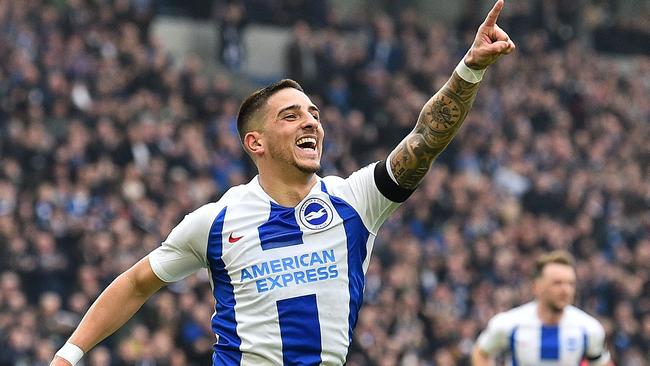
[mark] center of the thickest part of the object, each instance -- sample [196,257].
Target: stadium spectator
[474,237]
[231,28]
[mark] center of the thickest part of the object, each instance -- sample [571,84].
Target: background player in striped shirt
[548,331]
[287,253]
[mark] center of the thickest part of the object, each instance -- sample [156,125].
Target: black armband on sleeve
[387,186]
[594,358]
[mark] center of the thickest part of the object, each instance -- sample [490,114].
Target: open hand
[491,41]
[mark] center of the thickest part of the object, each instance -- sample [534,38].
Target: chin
[309,169]
[558,308]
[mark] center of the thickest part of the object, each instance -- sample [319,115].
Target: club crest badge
[572,344]
[315,214]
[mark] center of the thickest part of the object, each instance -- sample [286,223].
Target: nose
[310,122]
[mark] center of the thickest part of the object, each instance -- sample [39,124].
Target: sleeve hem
[599,360]
[159,271]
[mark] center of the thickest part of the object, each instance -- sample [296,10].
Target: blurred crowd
[105,146]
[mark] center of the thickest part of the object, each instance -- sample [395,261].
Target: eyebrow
[297,106]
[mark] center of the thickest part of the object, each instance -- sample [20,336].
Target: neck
[547,315]
[285,189]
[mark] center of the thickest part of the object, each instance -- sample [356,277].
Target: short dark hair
[253,103]
[556,256]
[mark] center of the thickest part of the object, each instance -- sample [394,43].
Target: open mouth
[307,143]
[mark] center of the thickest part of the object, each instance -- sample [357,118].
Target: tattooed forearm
[437,124]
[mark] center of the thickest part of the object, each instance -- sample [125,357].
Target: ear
[254,143]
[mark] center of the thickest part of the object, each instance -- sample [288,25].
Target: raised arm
[442,116]
[114,307]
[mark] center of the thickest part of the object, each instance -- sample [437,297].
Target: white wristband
[468,74]
[70,353]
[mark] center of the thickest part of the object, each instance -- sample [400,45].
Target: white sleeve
[494,339]
[597,353]
[369,201]
[184,250]
[361,191]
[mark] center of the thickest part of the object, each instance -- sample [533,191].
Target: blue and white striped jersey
[288,282]
[577,337]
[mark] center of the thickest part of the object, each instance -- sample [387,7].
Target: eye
[291,116]
[316,117]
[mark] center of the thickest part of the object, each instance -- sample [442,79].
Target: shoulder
[361,184]
[362,190]
[349,188]
[364,174]
[524,311]
[591,325]
[499,329]
[333,181]
[515,316]
[236,194]
[206,213]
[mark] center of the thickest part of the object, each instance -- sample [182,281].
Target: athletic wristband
[468,74]
[70,353]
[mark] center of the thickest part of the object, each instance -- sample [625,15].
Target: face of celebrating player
[293,132]
[556,287]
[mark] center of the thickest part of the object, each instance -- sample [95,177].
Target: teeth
[306,139]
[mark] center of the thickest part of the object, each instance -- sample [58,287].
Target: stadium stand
[105,144]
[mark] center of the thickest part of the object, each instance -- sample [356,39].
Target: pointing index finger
[492,16]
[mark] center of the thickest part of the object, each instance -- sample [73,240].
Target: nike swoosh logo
[234,239]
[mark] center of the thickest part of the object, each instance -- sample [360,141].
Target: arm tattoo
[438,123]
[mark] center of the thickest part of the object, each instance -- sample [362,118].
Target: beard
[308,169]
[287,158]
[556,307]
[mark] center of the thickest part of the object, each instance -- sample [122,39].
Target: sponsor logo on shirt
[292,271]
[315,214]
